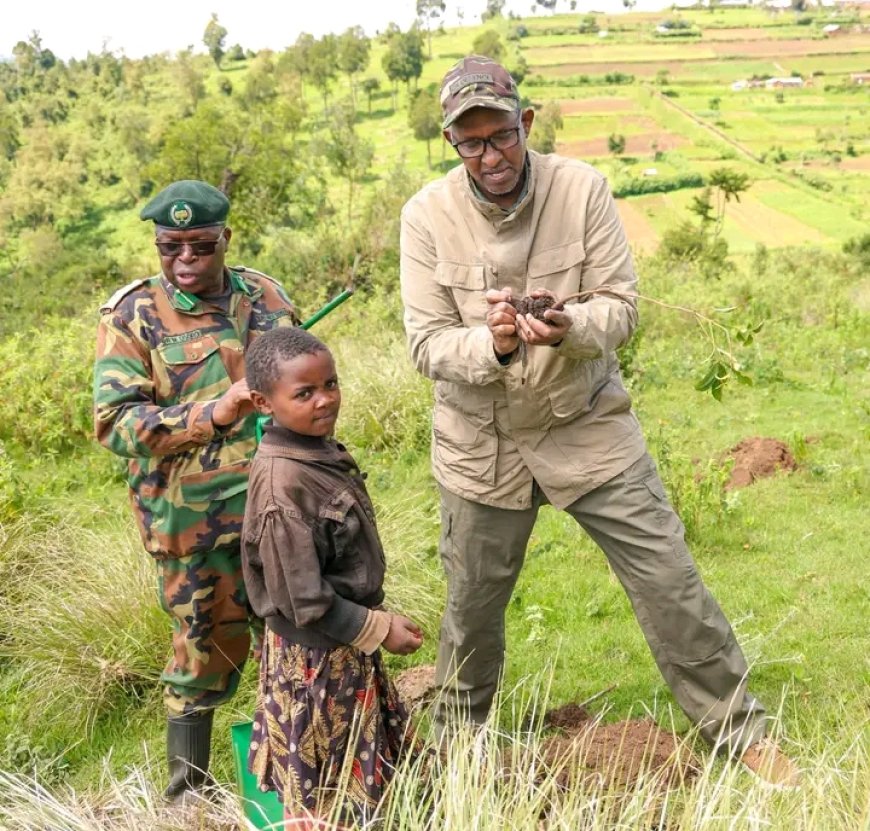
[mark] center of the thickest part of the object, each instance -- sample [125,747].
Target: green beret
[187,204]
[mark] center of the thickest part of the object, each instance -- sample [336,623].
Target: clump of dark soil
[758,457]
[536,306]
[568,718]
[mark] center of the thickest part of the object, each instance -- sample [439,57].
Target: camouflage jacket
[163,359]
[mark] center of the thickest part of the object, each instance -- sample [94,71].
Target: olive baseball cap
[477,81]
[187,203]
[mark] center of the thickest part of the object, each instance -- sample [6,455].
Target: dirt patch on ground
[639,230]
[582,750]
[638,68]
[861,163]
[587,106]
[638,145]
[785,48]
[736,34]
[416,686]
[578,749]
[757,458]
[620,755]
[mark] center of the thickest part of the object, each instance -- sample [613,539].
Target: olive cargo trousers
[629,517]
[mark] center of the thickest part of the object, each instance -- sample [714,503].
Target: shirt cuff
[201,428]
[373,632]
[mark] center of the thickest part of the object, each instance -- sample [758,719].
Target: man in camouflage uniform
[170,397]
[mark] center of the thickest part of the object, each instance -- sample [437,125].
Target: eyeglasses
[198,247]
[502,140]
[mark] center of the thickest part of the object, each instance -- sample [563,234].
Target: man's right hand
[501,319]
[234,404]
[404,636]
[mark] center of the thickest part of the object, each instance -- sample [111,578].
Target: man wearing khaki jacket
[532,411]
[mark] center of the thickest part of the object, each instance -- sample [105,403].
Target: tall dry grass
[487,780]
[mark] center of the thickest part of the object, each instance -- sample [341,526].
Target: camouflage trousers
[205,596]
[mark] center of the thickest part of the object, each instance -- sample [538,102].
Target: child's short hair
[269,350]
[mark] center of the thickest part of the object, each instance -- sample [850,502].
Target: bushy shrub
[688,243]
[636,186]
[696,491]
[10,488]
[45,385]
[615,78]
[859,248]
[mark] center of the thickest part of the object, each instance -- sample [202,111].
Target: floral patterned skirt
[328,726]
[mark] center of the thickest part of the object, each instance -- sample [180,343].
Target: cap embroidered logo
[181,214]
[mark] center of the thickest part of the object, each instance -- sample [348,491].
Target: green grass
[815,212]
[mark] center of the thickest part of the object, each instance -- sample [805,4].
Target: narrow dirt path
[707,126]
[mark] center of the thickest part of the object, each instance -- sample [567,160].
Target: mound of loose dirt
[619,755]
[579,749]
[416,685]
[756,458]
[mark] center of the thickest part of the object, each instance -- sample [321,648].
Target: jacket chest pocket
[354,560]
[183,369]
[558,269]
[467,284]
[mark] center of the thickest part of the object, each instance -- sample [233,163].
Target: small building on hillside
[860,78]
[782,83]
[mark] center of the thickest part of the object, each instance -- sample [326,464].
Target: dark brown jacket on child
[311,554]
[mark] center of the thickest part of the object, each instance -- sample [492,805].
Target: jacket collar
[494,212]
[192,304]
[279,441]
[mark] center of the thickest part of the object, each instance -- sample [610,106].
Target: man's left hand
[546,332]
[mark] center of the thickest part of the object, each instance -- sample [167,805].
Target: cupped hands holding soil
[536,305]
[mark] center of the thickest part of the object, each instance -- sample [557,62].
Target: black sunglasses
[198,247]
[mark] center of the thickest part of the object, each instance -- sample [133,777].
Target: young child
[314,568]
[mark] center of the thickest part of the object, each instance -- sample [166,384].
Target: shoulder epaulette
[254,272]
[120,294]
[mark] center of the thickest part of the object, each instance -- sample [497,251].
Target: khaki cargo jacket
[163,359]
[562,417]
[311,554]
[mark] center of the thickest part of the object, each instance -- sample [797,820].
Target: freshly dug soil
[618,755]
[535,306]
[579,749]
[756,458]
[416,685]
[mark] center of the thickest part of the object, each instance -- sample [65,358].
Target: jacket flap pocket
[459,275]
[554,260]
[337,507]
[214,485]
[188,352]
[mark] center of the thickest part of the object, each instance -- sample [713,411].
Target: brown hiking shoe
[770,765]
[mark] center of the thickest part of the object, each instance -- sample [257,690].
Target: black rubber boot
[188,743]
